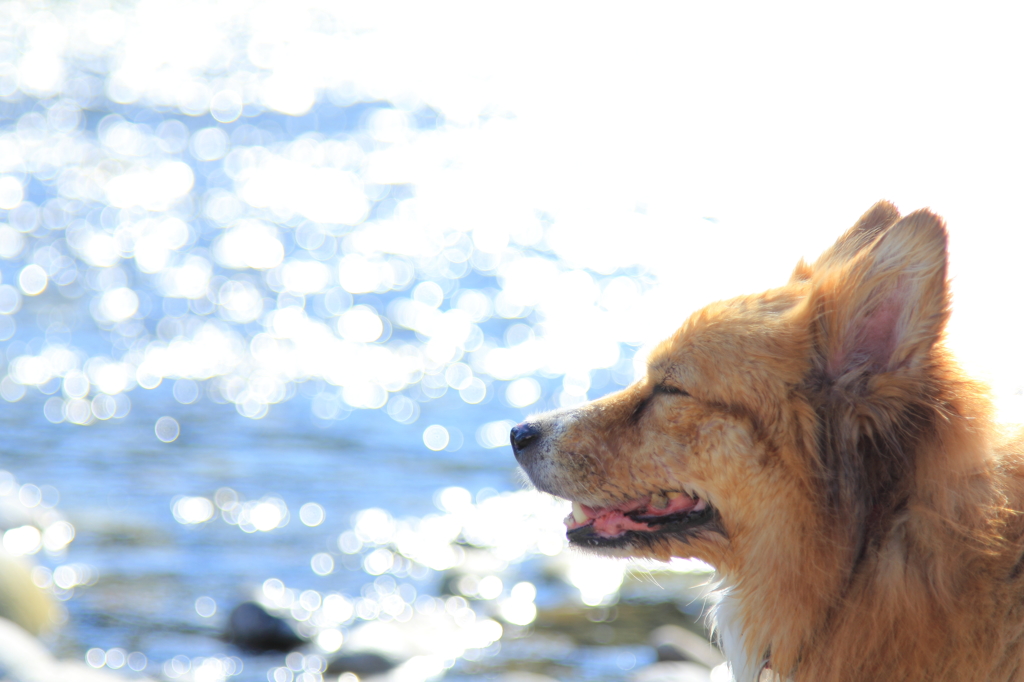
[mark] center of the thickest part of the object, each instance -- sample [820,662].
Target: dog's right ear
[865,231]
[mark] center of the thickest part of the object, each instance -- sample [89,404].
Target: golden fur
[861,508]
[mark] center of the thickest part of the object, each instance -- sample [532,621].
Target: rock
[674,643]
[21,601]
[363,664]
[24,659]
[676,671]
[250,627]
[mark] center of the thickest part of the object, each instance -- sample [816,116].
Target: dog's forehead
[730,333]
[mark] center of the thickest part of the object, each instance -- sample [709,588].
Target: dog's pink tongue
[612,522]
[615,523]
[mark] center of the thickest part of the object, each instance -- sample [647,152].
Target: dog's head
[767,419]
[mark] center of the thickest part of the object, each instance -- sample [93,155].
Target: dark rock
[250,627]
[361,664]
[672,672]
[674,643]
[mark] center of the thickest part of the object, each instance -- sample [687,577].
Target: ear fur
[874,222]
[881,308]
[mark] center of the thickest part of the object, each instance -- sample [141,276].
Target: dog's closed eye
[665,389]
[670,390]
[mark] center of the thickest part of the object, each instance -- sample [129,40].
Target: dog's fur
[860,506]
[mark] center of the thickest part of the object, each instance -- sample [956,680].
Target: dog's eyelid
[672,390]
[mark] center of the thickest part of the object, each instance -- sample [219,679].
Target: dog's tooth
[577,513]
[673,495]
[659,501]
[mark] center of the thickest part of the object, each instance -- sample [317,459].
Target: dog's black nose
[522,435]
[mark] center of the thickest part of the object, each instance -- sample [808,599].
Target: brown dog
[819,446]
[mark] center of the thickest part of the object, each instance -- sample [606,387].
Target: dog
[819,446]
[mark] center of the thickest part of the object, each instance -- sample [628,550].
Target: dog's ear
[884,307]
[874,222]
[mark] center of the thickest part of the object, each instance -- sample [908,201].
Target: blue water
[117,482]
[110,274]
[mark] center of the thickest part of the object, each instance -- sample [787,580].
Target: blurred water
[239,306]
[118,484]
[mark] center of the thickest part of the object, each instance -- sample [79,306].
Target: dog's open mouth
[660,513]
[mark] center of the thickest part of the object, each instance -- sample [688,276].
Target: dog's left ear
[874,222]
[885,308]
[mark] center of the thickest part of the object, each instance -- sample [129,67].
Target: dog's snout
[522,436]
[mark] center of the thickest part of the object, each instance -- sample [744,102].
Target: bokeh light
[436,437]
[206,607]
[311,514]
[167,429]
